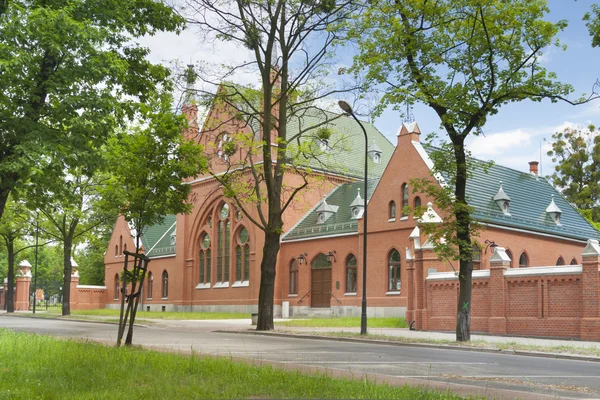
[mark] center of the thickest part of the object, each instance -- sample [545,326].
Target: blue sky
[513,136]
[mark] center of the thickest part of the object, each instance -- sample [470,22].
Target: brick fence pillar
[410,283]
[73,299]
[499,262]
[418,289]
[23,284]
[590,285]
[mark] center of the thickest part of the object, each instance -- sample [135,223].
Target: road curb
[93,321]
[573,357]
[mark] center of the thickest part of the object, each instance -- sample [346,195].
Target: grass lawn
[346,322]
[105,312]
[36,366]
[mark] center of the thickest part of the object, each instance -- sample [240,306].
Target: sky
[512,138]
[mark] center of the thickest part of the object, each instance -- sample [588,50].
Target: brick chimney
[533,167]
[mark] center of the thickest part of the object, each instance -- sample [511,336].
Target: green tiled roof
[347,153]
[529,195]
[157,238]
[339,223]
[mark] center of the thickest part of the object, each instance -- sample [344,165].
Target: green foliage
[148,165]
[576,153]
[71,72]
[593,23]
[39,366]
[465,58]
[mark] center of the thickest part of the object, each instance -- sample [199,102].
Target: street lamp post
[37,230]
[363,315]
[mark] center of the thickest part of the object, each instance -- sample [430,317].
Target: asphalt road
[495,372]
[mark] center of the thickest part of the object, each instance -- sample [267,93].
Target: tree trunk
[267,282]
[10,289]
[463,234]
[68,268]
[4,192]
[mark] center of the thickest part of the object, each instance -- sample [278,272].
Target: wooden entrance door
[320,287]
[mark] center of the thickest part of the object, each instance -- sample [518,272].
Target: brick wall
[556,301]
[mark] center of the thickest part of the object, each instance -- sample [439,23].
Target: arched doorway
[320,288]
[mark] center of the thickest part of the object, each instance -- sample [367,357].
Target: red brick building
[209,260]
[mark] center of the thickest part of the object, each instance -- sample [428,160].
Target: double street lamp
[363,315]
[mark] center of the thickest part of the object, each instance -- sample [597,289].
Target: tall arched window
[223,244]
[404,199]
[560,261]
[394,271]
[149,286]
[242,256]
[124,247]
[510,255]
[392,210]
[116,250]
[351,274]
[120,244]
[204,259]
[294,277]
[117,287]
[476,257]
[523,260]
[417,202]
[165,285]
[574,261]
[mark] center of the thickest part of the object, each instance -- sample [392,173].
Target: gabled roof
[157,239]
[529,197]
[340,223]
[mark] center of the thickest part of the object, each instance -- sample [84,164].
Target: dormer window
[554,211]
[325,211]
[357,206]
[502,200]
[323,145]
[374,152]
[173,237]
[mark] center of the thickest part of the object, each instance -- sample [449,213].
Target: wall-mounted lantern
[301,258]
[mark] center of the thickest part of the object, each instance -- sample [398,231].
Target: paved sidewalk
[427,335]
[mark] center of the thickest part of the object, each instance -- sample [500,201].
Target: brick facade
[559,303]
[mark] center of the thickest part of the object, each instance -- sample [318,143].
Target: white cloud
[515,148]
[499,143]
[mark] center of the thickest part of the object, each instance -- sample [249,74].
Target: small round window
[205,241]
[225,211]
[243,236]
[239,215]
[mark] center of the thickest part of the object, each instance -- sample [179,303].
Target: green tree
[290,44]
[147,167]
[71,72]
[13,229]
[576,153]
[68,214]
[464,59]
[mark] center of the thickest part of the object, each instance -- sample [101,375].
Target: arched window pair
[392,204]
